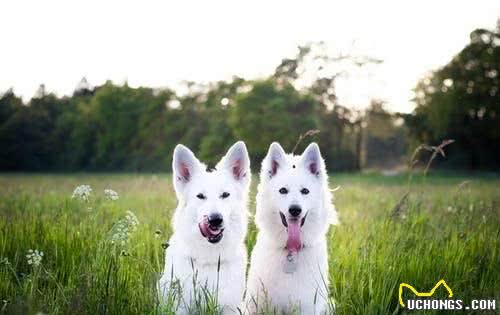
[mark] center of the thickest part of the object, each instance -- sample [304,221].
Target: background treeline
[119,128]
[461,101]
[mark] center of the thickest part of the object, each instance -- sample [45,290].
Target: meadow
[100,259]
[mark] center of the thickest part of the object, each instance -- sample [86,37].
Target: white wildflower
[34,257]
[82,192]
[111,194]
[132,220]
[121,231]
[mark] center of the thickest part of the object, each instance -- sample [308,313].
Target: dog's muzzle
[285,224]
[212,232]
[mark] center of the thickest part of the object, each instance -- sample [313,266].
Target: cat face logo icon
[423,294]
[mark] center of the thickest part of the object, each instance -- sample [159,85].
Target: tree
[341,127]
[9,104]
[271,112]
[384,140]
[220,136]
[27,135]
[461,101]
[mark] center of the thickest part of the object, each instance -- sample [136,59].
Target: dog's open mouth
[293,227]
[283,220]
[211,233]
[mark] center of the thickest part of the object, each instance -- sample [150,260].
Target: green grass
[444,231]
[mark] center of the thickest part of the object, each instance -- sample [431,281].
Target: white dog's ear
[237,162]
[184,166]
[312,160]
[274,160]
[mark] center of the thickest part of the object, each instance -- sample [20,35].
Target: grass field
[448,228]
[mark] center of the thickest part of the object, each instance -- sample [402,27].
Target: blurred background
[92,86]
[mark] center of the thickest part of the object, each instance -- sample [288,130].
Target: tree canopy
[116,127]
[461,101]
[121,128]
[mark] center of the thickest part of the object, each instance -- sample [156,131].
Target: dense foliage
[118,127]
[461,101]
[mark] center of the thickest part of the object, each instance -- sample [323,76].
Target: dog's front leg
[232,285]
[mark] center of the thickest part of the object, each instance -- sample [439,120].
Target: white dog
[289,264]
[207,252]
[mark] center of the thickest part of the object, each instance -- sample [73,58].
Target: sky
[163,43]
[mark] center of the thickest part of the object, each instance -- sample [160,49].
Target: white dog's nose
[215,219]
[295,210]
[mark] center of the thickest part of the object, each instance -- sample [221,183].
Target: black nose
[295,210]
[215,219]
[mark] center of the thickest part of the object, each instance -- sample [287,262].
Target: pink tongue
[204,229]
[293,244]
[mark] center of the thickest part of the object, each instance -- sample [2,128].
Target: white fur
[190,256]
[269,287]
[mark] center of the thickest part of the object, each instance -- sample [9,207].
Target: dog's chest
[210,274]
[310,268]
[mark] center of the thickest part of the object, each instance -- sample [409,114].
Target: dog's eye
[224,195]
[201,196]
[283,191]
[304,191]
